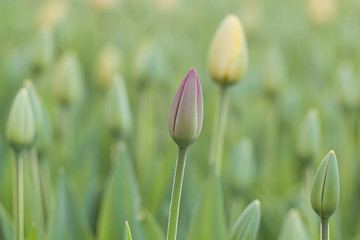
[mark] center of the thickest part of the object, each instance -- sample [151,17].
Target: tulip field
[179,120]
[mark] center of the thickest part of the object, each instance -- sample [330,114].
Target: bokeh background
[299,99]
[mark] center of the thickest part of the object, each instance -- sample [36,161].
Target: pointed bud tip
[332,152]
[257,202]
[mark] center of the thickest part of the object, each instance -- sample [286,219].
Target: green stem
[218,134]
[176,194]
[37,196]
[18,197]
[324,231]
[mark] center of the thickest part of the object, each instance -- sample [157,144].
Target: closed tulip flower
[20,131]
[326,188]
[186,113]
[228,57]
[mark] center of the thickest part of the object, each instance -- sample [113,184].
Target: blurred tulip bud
[104,5]
[51,13]
[251,15]
[325,192]
[348,87]
[164,5]
[228,57]
[20,130]
[310,136]
[43,50]
[247,225]
[186,112]
[68,79]
[117,109]
[321,12]
[150,61]
[242,167]
[127,232]
[274,72]
[293,227]
[108,64]
[36,105]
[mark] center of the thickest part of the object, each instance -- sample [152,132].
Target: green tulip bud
[20,130]
[108,64]
[44,49]
[242,166]
[325,192]
[68,80]
[117,109]
[310,135]
[36,105]
[247,225]
[186,112]
[293,227]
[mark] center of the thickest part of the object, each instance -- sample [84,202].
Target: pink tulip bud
[186,112]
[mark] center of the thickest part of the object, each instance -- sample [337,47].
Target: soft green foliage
[208,219]
[150,227]
[6,230]
[293,227]
[67,219]
[325,192]
[121,200]
[247,225]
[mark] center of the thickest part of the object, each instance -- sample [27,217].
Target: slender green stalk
[324,230]
[176,194]
[38,204]
[18,197]
[218,134]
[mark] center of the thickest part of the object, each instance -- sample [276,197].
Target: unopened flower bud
[310,136]
[68,81]
[36,105]
[20,130]
[228,57]
[325,192]
[247,225]
[117,109]
[107,65]
[186,112]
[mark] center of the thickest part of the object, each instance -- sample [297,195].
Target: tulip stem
[324,229]
[218,134]
[38,204]
[18,197]
[176,194]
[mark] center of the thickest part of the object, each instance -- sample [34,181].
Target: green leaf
[293,227]
[247,225]
[150,227]
[32,235]
[208,221]
[67,219]
[127,232]
[121,201]
[6,231]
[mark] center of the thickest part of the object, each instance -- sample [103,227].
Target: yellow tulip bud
[228,57]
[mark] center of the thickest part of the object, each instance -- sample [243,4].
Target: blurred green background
[304,55]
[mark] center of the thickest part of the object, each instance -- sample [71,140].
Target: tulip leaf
[121,201]
[67,219]
[127,232]
[293,227]
[247,225]
[208,220]
[150,227]
[6,231]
